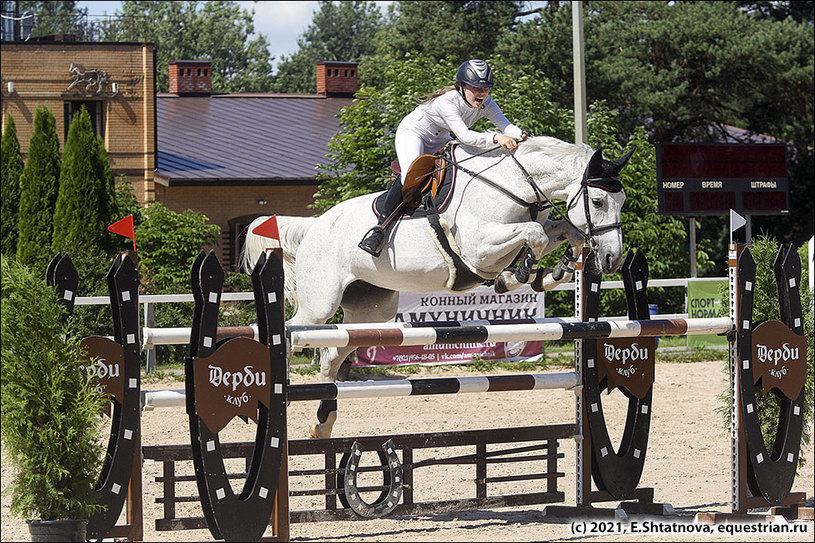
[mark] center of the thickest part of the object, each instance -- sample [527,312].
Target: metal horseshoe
[392,478]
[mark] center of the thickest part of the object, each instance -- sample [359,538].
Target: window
[95,109]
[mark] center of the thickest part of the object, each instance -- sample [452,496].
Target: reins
[542,201]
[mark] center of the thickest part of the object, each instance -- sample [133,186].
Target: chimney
[191,77]
[336,79]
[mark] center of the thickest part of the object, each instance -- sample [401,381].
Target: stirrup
[370,243]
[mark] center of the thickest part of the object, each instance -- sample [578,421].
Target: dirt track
[688,462]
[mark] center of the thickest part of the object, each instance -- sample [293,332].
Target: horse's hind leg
[331,359]
[361,303]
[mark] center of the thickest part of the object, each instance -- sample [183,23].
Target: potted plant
[50,425]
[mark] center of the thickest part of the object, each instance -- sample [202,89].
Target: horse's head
[594,207]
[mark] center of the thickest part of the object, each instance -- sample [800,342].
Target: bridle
[542,201]
[605,183]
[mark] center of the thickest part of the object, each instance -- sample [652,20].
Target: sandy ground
[688,464]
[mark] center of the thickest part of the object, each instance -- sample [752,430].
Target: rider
[424,130]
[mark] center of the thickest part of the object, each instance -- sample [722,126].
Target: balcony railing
[87,28]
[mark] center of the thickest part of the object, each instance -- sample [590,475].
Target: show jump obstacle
[248,378]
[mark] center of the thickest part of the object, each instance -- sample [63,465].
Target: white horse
[497,210]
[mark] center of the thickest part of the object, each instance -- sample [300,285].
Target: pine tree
[85,203]
[38,192]
[12,170]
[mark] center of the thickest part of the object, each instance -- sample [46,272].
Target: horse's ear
[620,163]
[595,167]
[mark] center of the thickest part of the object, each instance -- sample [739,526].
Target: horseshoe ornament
[392,478]
[770,474]
[242,517]
[122,357]
[618,472]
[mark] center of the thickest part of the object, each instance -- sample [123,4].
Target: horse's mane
[556,149]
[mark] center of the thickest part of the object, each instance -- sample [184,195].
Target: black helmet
[475,73]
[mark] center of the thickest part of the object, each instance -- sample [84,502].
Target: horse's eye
[597,202]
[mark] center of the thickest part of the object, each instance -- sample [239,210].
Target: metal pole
[150,321]
[749,232]
[580,126]
[692,234]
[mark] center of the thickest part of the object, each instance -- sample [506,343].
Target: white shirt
[434,120]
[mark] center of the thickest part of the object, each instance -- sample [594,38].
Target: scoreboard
[713,178]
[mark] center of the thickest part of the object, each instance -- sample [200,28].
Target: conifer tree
[12,170]
[85,203]
[38,192]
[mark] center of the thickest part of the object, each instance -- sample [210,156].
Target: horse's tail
[292,230]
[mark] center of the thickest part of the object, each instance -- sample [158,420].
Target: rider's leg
[408,147]
[375,238]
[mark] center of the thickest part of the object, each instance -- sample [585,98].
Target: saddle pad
[441,201]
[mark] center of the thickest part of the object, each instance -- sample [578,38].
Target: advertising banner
[704,301]
[480,303]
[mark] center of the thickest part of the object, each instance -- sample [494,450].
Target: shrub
[50,423]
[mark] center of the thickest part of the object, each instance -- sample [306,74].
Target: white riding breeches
[409,146]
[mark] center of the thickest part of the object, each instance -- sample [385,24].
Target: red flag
[268,229]
[124,227]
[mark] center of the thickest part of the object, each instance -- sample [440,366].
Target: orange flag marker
[124,227]
[268,229]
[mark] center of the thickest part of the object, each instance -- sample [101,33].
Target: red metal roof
[243,138]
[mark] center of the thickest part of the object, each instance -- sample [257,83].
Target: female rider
[423,131]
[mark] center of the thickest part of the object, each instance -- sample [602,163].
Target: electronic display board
[713,178]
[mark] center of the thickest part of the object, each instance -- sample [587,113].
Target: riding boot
[374,239]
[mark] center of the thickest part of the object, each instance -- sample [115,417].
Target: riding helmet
[474,72]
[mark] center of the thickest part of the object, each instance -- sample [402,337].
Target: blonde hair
[435,94]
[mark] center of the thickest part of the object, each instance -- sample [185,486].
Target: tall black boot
[374,239]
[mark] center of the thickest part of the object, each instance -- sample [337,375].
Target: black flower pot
[58,530]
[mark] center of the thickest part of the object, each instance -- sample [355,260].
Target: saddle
[428,174]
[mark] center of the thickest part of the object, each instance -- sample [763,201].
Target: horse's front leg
[548,278]
[555,233]
[500,243]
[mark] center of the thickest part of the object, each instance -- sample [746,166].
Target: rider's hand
[506,142]
[525,134]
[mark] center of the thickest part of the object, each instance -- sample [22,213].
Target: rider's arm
[449,112]
[493,112]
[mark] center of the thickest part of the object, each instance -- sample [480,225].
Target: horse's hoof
[322,430]
[315,433]
[537,284]
[500,285]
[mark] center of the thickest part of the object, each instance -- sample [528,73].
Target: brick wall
[222,204]
[41,73]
